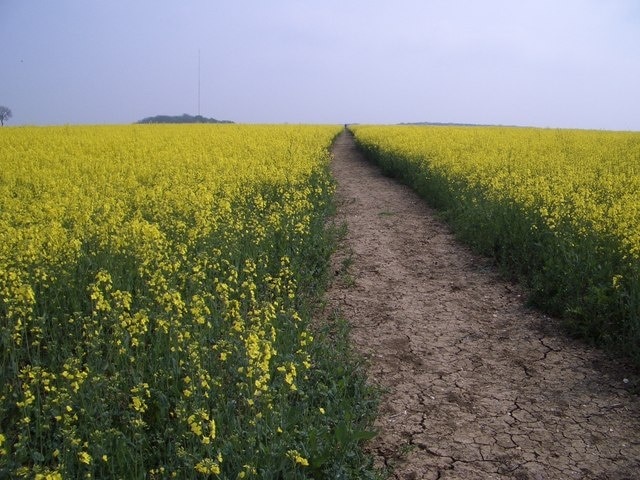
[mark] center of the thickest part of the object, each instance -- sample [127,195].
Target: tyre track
[478,386]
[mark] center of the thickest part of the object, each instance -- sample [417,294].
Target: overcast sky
[547,63]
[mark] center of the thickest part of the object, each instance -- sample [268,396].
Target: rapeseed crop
[154,292]
[560,208]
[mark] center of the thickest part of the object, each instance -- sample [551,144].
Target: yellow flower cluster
[149,282]
[297,458]
[587,179]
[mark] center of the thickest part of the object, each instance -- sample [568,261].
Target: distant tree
[184,118]
[5,114]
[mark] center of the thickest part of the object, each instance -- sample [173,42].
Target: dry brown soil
[478,386]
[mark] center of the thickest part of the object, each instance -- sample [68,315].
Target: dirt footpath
[478,385]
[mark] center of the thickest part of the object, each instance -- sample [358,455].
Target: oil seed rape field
[155,286]
[559,208]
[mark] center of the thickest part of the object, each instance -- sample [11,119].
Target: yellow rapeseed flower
[296,457]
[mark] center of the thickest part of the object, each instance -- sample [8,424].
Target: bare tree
[5,114]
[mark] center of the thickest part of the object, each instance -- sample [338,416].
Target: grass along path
[478,385]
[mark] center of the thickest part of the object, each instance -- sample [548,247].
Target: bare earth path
[478,385]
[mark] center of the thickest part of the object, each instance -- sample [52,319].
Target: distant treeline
[455,124]
[447,124]
[184,118]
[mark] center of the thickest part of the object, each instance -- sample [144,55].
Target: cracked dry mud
[478,386]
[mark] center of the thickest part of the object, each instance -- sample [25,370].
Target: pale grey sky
[548,63]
